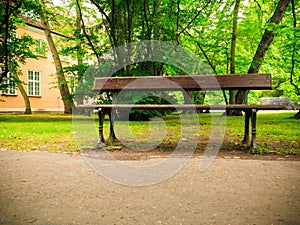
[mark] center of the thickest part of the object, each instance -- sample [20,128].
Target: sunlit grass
[45,132]
[276,132]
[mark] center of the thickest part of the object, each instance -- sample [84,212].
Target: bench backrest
[188,83]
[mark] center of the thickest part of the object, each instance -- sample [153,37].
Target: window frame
[11,89]
[34,83]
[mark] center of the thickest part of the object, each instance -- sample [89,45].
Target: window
[34,83]
[40,47]
[9,86]
[65,58]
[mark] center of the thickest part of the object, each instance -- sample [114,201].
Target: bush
[144,98]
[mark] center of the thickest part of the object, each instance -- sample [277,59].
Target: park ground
[45,188]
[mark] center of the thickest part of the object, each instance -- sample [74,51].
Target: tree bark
[187,96]
[62,83]
[293,60]
[26,99]
[232,55]
[79,28]
[263,46]
[23,93]
[78,41]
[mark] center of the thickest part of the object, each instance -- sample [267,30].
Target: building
[38,77]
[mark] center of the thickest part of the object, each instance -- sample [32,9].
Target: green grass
[45,132]
[276,132]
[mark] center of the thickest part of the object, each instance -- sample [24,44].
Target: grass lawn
[276,132]
[39,131]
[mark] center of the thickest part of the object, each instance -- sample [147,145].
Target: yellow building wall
[50,99]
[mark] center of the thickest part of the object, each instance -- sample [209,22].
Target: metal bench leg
[112,135]
[246,134]
[101,136]
[253,121]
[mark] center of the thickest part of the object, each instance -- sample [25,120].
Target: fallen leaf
[31,220]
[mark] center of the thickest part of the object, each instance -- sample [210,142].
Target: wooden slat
[207,82]
[183,106]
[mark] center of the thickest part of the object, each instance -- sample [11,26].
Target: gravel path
[54,188]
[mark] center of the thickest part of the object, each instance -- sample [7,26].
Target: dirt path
[53,188]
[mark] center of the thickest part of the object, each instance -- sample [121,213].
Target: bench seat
[183,107]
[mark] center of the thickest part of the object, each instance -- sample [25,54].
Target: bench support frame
[253,123]
[100,140]
[112,136]
[250,114]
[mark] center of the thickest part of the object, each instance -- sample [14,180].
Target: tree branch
[102,11]
[178,14]
[210,64]
[193,19]
[146,19]
[294,49]
[85,33]
[111,22]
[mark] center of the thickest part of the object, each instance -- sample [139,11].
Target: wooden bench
[187,83]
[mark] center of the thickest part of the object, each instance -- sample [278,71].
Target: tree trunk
[78,41]
[232,55]
[263,46]
[297,115]
[80,52]
[187,96]
[25,97]
[62,83]
[233,38]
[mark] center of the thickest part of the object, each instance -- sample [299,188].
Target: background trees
[232,36]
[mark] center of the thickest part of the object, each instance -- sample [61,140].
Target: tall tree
[233,46]
[264,45]
[62,82]
[24,95]
[21,46]
[295,55]
[232,53]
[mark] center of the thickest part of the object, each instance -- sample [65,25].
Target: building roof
[37,24]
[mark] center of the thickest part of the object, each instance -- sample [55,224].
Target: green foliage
[14,50]
[149,98]
[92,29]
